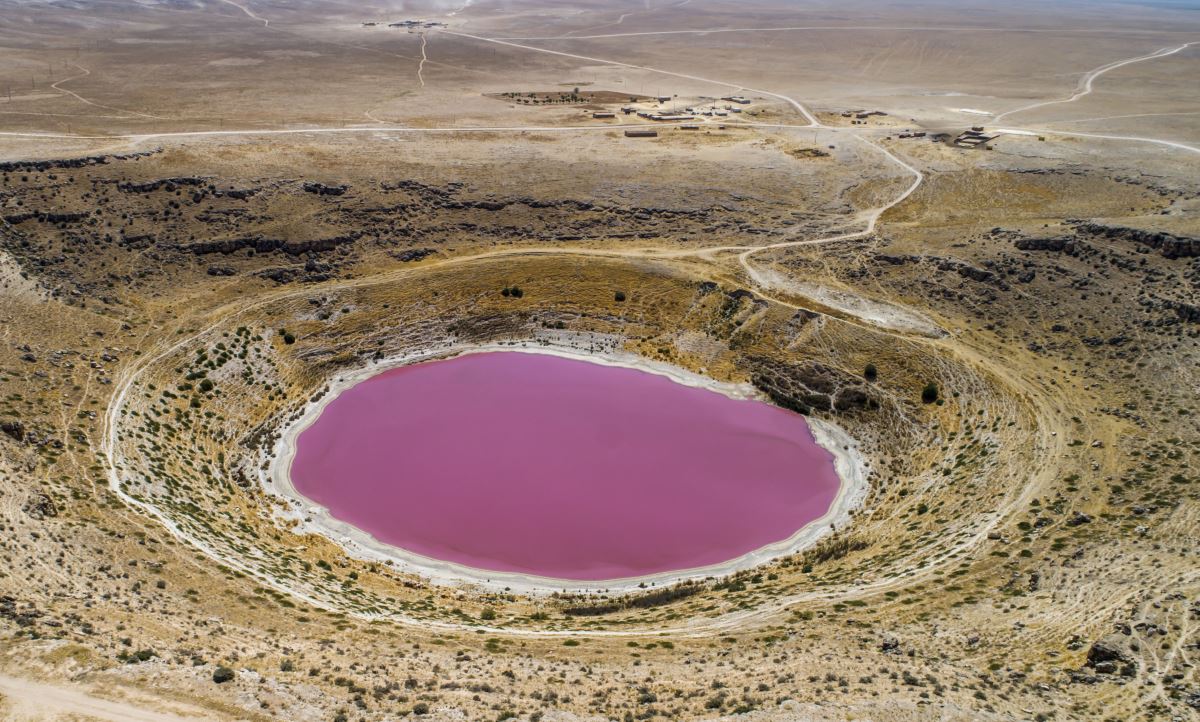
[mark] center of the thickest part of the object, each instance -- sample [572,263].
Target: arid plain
[212,210]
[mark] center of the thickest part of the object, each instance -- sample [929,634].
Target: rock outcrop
[323,190]
[810,386]
[45,165]
[1169,245]
[266,245]
[1057,245]
[169,184]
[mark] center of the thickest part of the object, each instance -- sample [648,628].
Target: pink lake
[554,467]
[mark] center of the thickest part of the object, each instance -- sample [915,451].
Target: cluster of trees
[533,98]
[930,393]
[222,675]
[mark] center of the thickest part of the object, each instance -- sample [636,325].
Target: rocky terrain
[1010,337]
[205,385]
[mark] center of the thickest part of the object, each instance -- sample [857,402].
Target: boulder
[1109,652]
[323,190]
[1079,518]
[41,506]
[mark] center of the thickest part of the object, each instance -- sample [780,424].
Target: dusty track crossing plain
[627,360]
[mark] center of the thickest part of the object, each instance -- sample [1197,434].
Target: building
[973,138]
[412,24]
[641,134]
[604,115]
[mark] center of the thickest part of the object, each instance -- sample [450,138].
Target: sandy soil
[22,700]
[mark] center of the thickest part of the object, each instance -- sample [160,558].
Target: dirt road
[23,700]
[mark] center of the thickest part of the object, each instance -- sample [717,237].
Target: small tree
[930,393]
[620,296]
[870,373]
[222,675]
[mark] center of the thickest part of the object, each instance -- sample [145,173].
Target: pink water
[542,465]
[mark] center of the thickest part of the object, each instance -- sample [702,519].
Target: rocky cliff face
[266,245]
[71,223]
[45,165]
[1169,245]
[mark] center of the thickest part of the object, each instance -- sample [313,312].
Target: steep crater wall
[194,426]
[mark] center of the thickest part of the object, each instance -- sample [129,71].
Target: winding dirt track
[1085,83]
[266,23]
[85,73]
[28,700]
[424,59]
[812,121]
[794,28]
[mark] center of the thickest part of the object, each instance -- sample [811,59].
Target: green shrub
[930,393]
[222,675]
